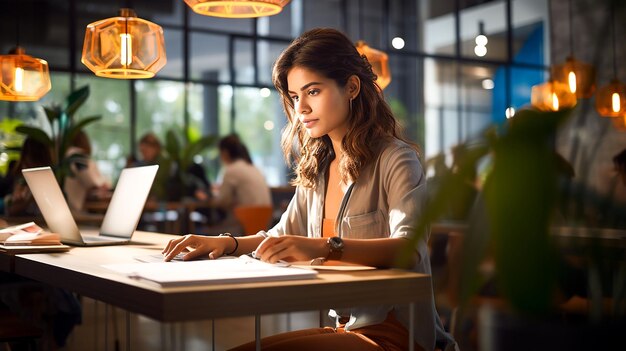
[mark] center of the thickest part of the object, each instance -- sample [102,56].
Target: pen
[280,263]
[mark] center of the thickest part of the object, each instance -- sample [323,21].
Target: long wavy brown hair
[331,54]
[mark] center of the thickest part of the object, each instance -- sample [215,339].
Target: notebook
[120,219]
[223,270]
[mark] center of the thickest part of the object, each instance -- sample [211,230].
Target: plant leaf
[196,147]
[172,145]
[72,130]
[53,113]
[75,100]
[36,134]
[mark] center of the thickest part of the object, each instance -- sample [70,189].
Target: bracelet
[236,243]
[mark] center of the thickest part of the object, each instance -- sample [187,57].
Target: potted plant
[174,181]
[512,222]
[64,128]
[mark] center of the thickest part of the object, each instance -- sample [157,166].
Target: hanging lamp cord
[571,32]
[613,37]
[361,20]
[17,24]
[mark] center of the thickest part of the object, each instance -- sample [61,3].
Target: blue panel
[522,79]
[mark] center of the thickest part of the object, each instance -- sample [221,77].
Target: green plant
[513,217]
[514,222]
[64,128]
[10,142]
[173,179]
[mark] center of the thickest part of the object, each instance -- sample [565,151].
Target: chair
[253,218]
[13,329]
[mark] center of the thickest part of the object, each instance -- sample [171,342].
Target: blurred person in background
[84,180]
[242,184]
[20,201]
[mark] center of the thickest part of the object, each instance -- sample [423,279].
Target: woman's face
[148,152]
[319,103]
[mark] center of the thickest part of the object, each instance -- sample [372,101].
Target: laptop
[120,219]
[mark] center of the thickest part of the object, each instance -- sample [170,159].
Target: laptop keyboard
[100,238]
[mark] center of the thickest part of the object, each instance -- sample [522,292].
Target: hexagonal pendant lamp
[611,98]
[124,47]
[237,8]
[23,77]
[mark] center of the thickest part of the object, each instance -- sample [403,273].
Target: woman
[242,184]
[85,179]
[360,188]
[21,202]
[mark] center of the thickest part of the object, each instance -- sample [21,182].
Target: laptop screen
[127,202]
[47,193]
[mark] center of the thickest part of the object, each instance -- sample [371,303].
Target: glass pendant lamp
[379,61]
[124,47]
[237,8]
[611,98]
[579,76]
[24,78]
[552,96]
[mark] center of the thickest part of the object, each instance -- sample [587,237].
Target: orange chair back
[253,218]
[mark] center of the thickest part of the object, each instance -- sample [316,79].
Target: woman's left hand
[291,248]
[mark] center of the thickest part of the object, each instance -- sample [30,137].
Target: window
[259,123]
[441,91]
[110,136]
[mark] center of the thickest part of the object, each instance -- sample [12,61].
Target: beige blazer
[384,202]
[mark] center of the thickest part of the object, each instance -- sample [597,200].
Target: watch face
[336,243]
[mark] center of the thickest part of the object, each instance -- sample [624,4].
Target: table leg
[183,337]
[212,334]
[411,326]
[127,331]
[96,330]
[257,332]
[173,336]
[106,326]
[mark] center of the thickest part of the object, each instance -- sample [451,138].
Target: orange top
[332,200]
[328,228]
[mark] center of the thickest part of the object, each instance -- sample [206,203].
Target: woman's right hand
[197,245]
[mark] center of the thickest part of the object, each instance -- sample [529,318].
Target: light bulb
[480,50]
[481,40]
[488,84]
[265,92]
[509,112]
[268,125]
[19,79]
[571,78]
[397,43]
[555,102]
[615,102]
[126,55]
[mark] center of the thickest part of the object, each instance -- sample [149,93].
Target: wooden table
[80,270]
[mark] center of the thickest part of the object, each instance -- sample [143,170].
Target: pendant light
[237,8]
[611,98]
[23,77]
[552,96]
[124,47]
[481,41]
[579,76]
[378,59]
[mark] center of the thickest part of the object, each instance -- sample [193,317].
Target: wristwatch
[335,244]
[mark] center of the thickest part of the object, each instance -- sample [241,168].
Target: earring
[350,106]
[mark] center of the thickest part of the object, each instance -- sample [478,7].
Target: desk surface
[81,270]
